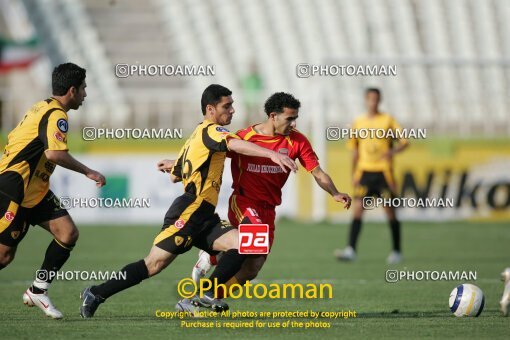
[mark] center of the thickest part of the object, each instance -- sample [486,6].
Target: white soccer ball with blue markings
[467,300]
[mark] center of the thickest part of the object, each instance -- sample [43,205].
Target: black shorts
[190,221]
[16,220]
[373,184]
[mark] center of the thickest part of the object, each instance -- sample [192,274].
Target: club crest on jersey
[283,151]
[58,136]
[9,216]
[62,125]
[15,234]
[179,224]
[178,240]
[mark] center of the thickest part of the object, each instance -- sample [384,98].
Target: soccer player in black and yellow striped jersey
[372,172]
[33,149]
[191,219]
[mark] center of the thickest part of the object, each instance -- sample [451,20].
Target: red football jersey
[260,179]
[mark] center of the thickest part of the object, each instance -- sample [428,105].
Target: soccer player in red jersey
[258,183]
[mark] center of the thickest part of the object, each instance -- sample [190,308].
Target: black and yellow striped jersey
[201,161]
[24,169]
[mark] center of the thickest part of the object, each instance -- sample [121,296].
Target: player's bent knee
[72,236]
[247,274]
[155,266]
[68,239]
[65,231]
[6,255]
[251,268]
[157,260]
[5,259]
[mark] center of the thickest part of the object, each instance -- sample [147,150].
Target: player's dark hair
[212,95]
[279,100]
[373,89]
[66,76]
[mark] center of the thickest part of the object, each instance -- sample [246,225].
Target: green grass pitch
[302,253]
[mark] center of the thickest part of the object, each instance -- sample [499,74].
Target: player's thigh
[158,259]
[216,237]
[176,239]
[233,212]
[362,188]
[62,228]
[185,223]
[389,183]
[51,216]
[13,222]
[227,241]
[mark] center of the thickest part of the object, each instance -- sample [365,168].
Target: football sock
[354,233]
[135,273]
[229,264]
[214,260]
[395,234]
[55,257]
[2,266]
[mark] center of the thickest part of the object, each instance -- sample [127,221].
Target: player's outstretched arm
[250,149]
[64,159]
[326,183]
[166,165]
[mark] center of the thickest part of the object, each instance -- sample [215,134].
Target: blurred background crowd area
[453,79]
[452,57]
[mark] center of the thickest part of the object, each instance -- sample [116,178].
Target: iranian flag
[17,54]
